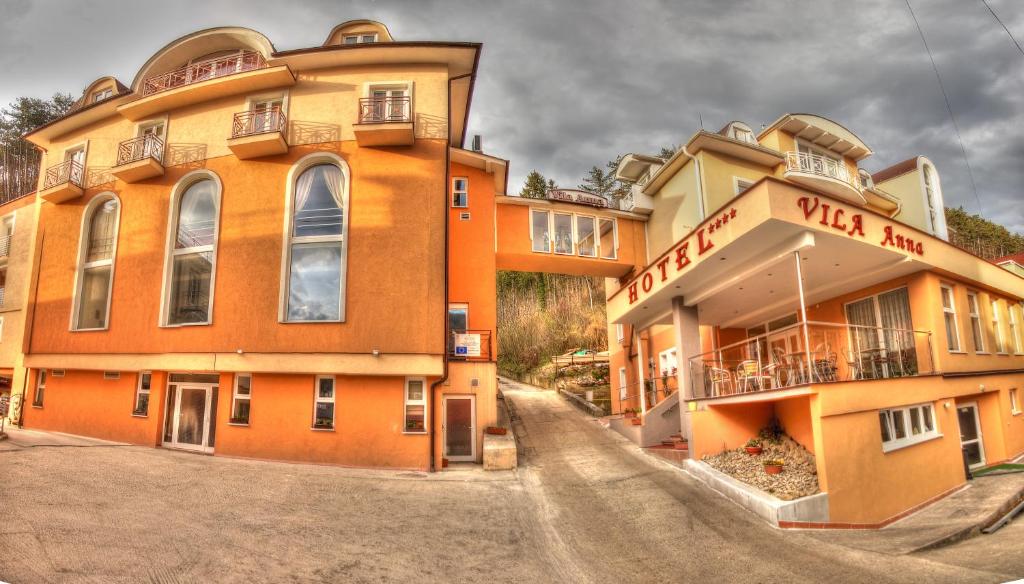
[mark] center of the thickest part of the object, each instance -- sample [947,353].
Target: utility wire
[942,88]
[1008,33]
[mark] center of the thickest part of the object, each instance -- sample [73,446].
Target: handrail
[817,164]
[204,70]
[255,122]
[136,149]
[382,110]
[69,171]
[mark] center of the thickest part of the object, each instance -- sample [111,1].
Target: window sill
[981,353]
[1002,354]
[134,415]
[311,321]
[957,352]
[321,429]
[186,324]
[541,251]
[907,443]
[460,206]
[239,424]
[415,432]
[1017,413]
[89,330]
[38,406]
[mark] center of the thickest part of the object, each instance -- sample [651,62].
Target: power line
[949,108]
[1008,33]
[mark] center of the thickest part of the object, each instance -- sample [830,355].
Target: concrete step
[669,453]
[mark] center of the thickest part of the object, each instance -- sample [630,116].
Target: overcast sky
[566,85]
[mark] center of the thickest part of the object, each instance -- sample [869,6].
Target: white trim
[620,332]
[406,402]
[997,328]
[331,400]
[175,411]
[572,233]
[359,38]
[974,315]
[408,85]
[139,391]
[300,166]
[593,235]
[177,191]
[473,427]
[1014,401]
[282,95]
[623,384]
[85,233]
[615,239]
[150,122]
[236,397]
[905,414]
[736,180]
[951,310]
[547,214]
[455,191]
[39,393]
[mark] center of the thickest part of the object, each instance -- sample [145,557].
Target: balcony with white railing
[825,353]
[825,174]
[243,71]
[63,182]
[139,158]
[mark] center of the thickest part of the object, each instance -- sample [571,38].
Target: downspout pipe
[699,181]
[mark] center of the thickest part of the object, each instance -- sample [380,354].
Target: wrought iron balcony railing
[69,171]
[383,110]
[5,246]
[204,70]
[819,165]
[470,345]
[258,122]
[136,149]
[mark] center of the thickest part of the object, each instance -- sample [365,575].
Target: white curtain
[895,309]
[862,314]
[101,232]
[332,176]
[303,186]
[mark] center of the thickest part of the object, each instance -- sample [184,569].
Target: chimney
[476,143]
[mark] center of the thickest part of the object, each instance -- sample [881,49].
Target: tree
[598,182]
[536,187]
[667,152]
[981,236]
[19,159]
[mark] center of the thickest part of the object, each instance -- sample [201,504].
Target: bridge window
[609,249]
[540,231]
[585,236]
[563,233]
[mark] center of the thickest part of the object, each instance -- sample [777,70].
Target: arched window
[315,262]
[96,263]
[934,207]
[195,216]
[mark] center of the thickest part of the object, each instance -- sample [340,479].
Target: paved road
[586,506]
[613,514]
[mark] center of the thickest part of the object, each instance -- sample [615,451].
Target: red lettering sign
[647,281]
[662,265]
[681,258]
[632,293]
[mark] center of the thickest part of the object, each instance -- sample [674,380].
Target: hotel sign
[853,224]
[577,197]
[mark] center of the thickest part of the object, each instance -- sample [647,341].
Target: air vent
[111,375]
[475,382]
[463,216]
[56,373]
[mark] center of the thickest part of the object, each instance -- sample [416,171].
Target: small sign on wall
[467,345]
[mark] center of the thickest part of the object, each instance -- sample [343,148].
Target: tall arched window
[935,212]
[316,241]
[192,251]
[96,263]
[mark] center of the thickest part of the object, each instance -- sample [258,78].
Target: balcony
[824,174]
[244,72]
[139,158]
[63,182]
[636,201]
[5,246]
[782,360]
[469,345]
[385,121]
[258,133]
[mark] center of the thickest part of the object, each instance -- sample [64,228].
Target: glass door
[460,428]
[970,434]
[265,114]
[189,420]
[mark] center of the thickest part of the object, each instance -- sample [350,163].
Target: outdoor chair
[720,378]
[853,361]
[748,378]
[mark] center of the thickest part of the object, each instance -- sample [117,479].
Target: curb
[973,530]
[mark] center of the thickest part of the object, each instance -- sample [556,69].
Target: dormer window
[102,94]
[355,39]
[742,134]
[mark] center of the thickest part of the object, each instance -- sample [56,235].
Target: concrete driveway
[586,506]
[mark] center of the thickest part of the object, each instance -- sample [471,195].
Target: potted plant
[753,447]
[637,420]
[629,413]
[681,444]
[774,465]
[497,430]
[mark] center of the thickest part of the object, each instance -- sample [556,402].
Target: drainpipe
[699,181]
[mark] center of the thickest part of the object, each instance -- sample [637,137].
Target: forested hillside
[981,236]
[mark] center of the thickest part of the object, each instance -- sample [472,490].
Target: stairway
[673,449]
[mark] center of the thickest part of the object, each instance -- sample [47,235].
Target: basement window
[323,406]
[112,375]
[142,394]
[240,400]
[37,398]
[902,427]
[415,405]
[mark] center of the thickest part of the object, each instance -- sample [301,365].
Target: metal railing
[383,110]
[136,149]
[204,70]
[2,290]
[833,353]
[258,122]
[5,245]
[469,345]
[819,165]
[68,171]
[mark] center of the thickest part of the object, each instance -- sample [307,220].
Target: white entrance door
[970,433]
[189,411]
[459,426]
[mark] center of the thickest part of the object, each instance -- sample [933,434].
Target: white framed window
[316,240]
[415,421]
[37,396]
[540,231]
[620,332]
[102,94]
[460,192]
[742,134]
[191,265]
[974,311]
[95,275]
[902,427]
[740,184]
[668,363]
[563,233]
[265,113]
[623,389]
[608,241]
[1014,402]
[997,328]
[356,39]
[386,101]
[949,316]
[323,402]
[586,236]
[1015,332]
[142,387]
[241,397]
[1,328]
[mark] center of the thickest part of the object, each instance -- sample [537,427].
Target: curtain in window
[895,309]
[101,232]
[303,186]
[862,314]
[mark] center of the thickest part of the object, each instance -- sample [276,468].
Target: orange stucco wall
[472,271]
[394,254]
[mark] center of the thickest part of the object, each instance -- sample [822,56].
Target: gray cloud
[566,85]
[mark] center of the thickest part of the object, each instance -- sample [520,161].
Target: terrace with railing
[821,352]
[384,110]
[141,148]
[69,171]
[204,70]
[251,123]
[827,174]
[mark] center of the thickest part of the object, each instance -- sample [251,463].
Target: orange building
[258,253]
[784,282]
